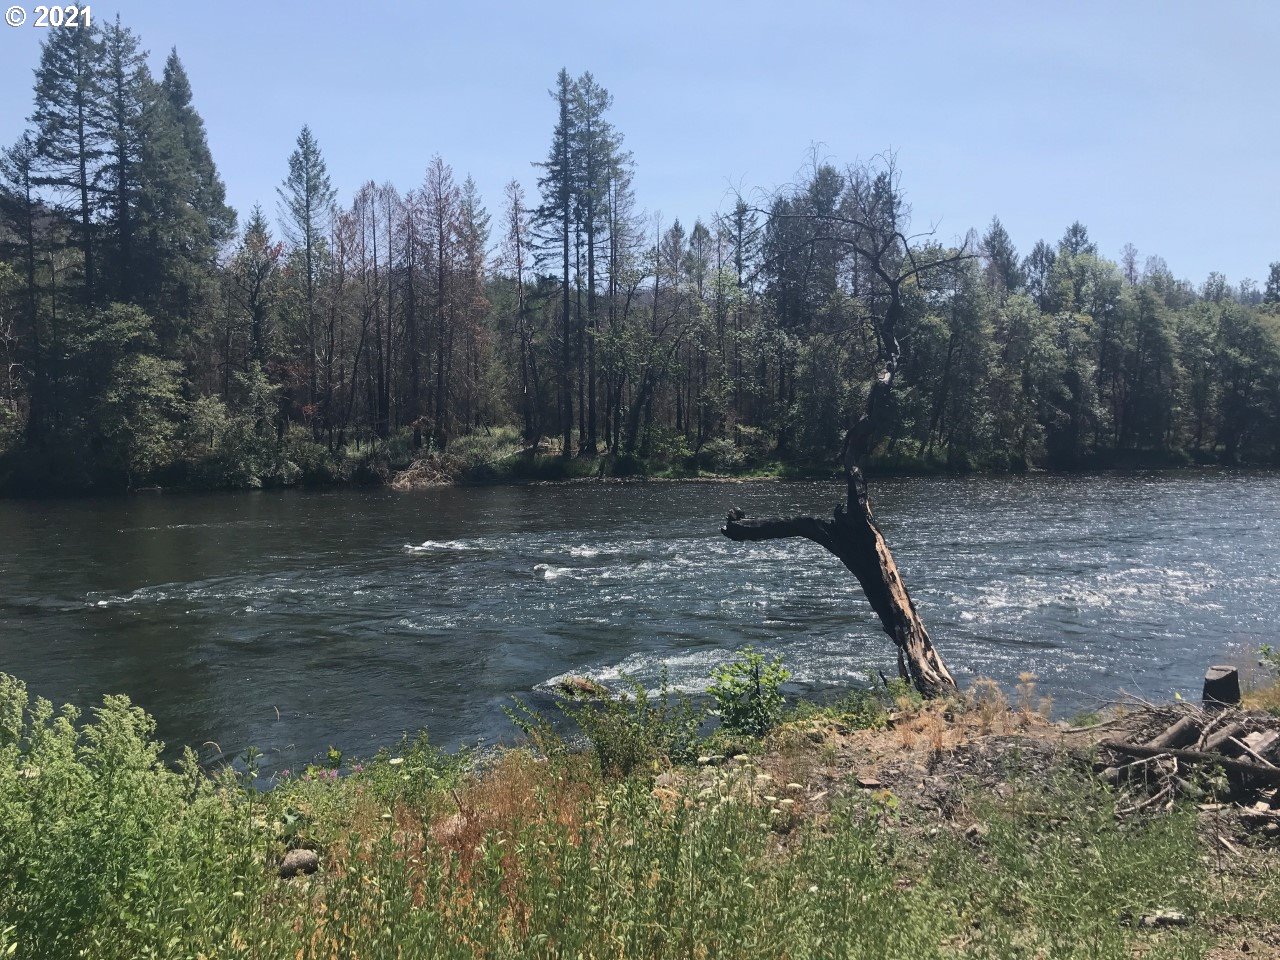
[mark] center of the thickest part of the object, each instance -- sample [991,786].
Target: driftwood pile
[1215,752]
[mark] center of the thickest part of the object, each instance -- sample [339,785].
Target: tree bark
[853,536]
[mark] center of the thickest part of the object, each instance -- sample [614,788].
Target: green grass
[106,852]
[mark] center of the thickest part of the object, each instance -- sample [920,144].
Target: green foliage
[110,854]
[747,693]
[632,730]
[104,849]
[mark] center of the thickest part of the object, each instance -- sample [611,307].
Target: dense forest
[150,336]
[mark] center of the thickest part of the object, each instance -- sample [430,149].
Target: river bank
[499,456]
[969,828]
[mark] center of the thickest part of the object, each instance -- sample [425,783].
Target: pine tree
[127,87]
[184,217]
[306,204]
[555,219]
[208,194]
[1003,270]
[1076,241]
[1272,292]
[19,208]
[71,134]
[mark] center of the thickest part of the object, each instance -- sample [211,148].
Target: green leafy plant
[638,727]
[748,693]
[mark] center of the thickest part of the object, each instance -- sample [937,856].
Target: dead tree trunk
[852,534]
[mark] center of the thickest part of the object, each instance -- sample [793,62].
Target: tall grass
[106,852]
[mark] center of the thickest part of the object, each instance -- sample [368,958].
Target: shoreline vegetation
[878,825]
[499,457]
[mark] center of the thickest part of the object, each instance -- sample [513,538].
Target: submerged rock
[581,687]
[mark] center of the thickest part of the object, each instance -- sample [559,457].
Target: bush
[721,456]
[635,728]
[747,693]
[95,835]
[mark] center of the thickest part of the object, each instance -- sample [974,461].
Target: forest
[150,336]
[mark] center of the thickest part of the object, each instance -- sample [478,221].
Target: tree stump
[1221,687]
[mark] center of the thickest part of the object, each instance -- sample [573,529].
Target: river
[292,621]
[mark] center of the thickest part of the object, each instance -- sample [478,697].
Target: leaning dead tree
[869,226]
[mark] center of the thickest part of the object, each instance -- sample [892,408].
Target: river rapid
[292,621]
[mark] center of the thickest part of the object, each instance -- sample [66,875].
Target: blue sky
[1156,123]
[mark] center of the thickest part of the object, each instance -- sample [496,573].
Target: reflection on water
[359,615]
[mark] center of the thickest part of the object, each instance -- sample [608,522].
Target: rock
[299,861]
[581,687]
[869,783]
[1163,918]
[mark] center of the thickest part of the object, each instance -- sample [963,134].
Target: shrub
[747,693]
[721,456]
[636,728]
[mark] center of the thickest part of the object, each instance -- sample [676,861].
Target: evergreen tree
[306,203]
[1038,270]
[1272,292]
[558,185]
[1076,241]
[208,195]
[1003,270]
[72,136]
[184,215]
[127,87]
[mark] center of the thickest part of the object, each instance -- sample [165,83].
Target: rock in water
[581,687]
[299,861]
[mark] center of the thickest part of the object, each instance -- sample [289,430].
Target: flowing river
[292,621]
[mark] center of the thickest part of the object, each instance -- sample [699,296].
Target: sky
[1155,123]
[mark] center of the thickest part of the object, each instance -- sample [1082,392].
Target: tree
[306,204]
[127,88]
[872,224]
[71,133]
[1272,292]
[1076,241]
[254,278]
[184,220]
[1038,270]
[558,186]
[1002,267]
[441,199]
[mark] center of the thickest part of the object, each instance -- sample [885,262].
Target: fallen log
[1255,771]
[1221,736]
[1185,731]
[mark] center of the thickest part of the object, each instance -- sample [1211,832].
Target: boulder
[581,687]
[299,861]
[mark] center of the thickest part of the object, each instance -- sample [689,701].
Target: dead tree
[873,234]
